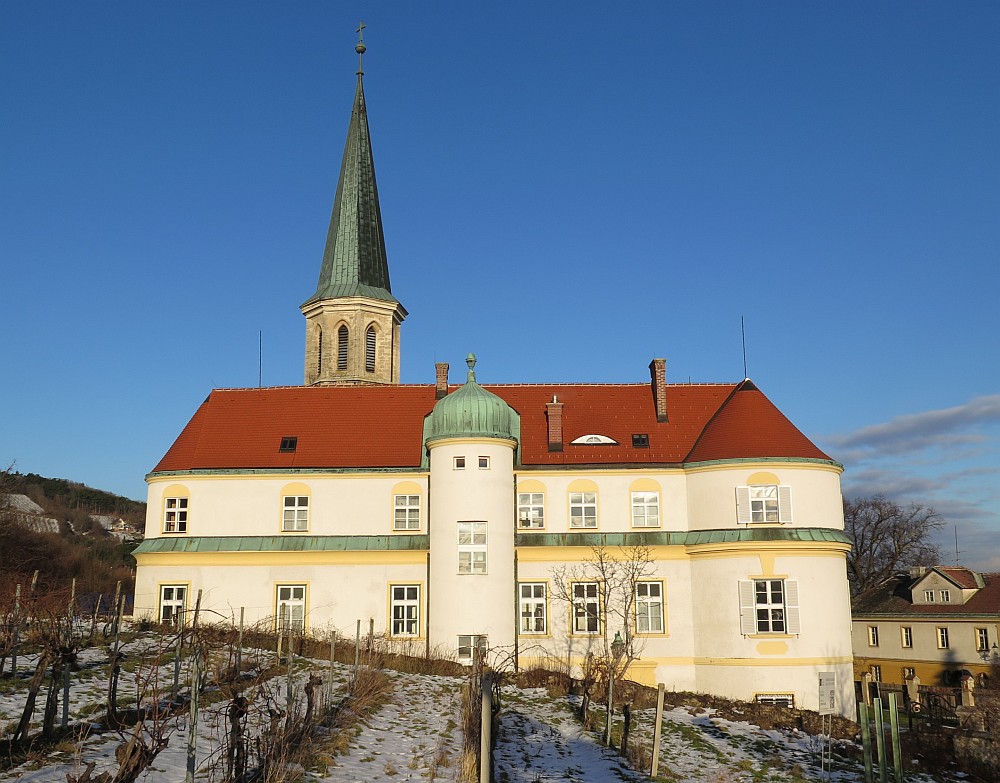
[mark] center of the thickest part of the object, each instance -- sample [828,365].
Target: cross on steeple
[360,48]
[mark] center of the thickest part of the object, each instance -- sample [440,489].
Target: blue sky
[568,189]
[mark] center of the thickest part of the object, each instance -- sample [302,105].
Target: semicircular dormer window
[594,440]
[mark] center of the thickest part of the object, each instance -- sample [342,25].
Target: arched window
[342,348]
[370,349]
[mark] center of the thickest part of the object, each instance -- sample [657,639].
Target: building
[446,513]
[935,623]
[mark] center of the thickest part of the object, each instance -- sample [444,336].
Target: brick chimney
[553,412]
[658,380]
[441,380]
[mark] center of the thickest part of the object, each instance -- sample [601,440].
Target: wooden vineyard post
[657,729]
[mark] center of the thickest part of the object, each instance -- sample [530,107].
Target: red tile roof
[382,426]
[962,577]
[894,596]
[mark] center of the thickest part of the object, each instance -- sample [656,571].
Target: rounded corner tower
[472,437]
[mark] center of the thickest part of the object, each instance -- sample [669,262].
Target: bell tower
[353,320]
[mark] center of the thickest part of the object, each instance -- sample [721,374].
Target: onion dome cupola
[353,319]
[472,412]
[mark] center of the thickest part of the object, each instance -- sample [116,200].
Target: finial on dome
[360,48]
[471,361]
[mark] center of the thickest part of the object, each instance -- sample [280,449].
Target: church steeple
[352,320]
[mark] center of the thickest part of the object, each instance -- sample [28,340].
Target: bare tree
[887,537]
[616,573]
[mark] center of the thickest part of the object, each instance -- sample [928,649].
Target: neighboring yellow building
[444,514]
[935,623]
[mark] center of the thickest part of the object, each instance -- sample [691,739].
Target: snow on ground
[416,735]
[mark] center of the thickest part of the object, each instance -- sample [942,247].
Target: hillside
[60,529]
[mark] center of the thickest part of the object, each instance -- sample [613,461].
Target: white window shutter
[743,516]
[748,613]
[792,623]
[784,503]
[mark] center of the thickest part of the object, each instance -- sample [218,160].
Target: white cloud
[945,428]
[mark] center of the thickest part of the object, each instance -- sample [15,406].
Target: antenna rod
[260,355]
[743,334]
[957,561]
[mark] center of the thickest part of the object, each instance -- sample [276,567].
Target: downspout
[517,597]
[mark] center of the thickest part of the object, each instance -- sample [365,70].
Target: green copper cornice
[287,543]
[749,535]
[354,261]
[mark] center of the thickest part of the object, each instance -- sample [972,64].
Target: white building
[445,513]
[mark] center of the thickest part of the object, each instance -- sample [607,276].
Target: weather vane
[360,48]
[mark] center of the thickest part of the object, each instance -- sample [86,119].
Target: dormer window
[929,596]
[640,440]
[945,596]
[594,440]
[289,444]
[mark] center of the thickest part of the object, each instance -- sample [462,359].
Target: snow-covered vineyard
[413,731]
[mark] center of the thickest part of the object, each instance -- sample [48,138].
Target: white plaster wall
[824,609]
[816,497]
[337,595]
[614,499]
[472,603]
[340,504]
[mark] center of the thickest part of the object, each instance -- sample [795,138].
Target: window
[319,352]
[583,509]
[172,598]
[469,643]
[769,606]
[776,699]
[370,349]
[291,614]
[942,638]
[929,596]
[288,444]
[472,547]
[763,504]
[531,509]
[484,463]
[645,509]
[640,440]
[982,639]
[873,636]
[876,672]
[532,603]
[342,340]
[594,440]
[586,608]
[406,514]
[649,607]
[945,596]
[405,610]
[175,515]
[459,463]
[906,636]
[295,513]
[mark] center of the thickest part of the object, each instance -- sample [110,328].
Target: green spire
[354,262]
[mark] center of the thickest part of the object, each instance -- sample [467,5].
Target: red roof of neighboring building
[894,596]
[962,577]
[382,426]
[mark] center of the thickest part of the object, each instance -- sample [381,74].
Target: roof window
[594,440]
[288,444]
[640,440]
